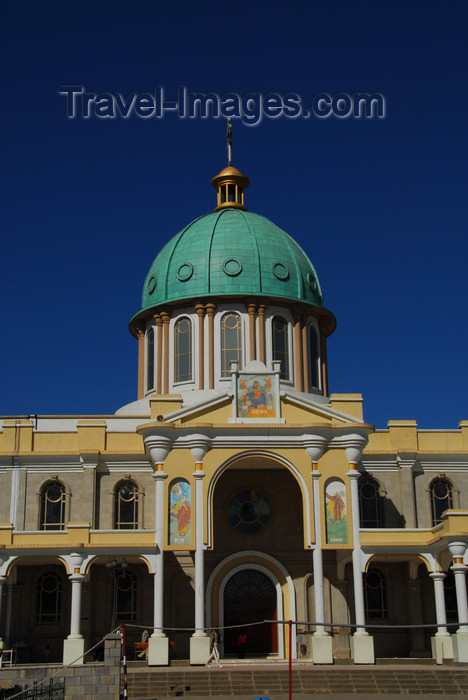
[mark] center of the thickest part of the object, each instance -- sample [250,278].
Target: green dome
[231,252]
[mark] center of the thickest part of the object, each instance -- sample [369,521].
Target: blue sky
[378,205]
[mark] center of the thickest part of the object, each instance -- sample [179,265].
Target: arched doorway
[250,596]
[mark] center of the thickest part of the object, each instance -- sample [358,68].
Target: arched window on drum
[313,358]
[231,342]
[150,359]
[183,350]
[280,344]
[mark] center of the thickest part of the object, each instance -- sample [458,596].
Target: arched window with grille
[126,506]
[150,359]
[313,358]
[49,599]
[231,342]
[53,501]
[375,595]
[126,596]
[183,350]
[441,492]
[280,343]
[370,502]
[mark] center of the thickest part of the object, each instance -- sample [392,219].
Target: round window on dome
[280,271]
[185,272]
[232,267]
[311,281]
[152,284]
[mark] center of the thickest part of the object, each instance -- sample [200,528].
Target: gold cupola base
[230,185]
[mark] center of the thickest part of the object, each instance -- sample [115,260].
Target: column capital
[199,445]
[199,473]
[459,568]
[457,550]
[314,447]
[210,308]
[158,447]
[159,475]
[437,575]
[316,474]
[75,577]
[200,309]
[158,320]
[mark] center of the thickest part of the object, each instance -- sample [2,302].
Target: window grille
[441,492]
[280,338]
[53,498]
[49,599]
[231,342]
[126,506]
[183,350]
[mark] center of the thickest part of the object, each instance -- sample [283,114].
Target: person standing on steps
[241,644]
[214,648]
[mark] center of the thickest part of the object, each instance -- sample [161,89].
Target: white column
[322,643]
[158,445]
[438,578]
[357,571]
[158,643]
[442,645]
[77,587]
[73,645]
[362,644]
[199,555]
[200,641]
[460,638]
[317,557]
[159,478]
[459,571]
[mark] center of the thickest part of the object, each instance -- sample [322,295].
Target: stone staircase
[272,680]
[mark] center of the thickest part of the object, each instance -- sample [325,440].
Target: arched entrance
[250,596]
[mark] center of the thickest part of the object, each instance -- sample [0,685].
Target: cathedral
[236,492]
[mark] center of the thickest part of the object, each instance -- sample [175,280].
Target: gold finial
[230,183]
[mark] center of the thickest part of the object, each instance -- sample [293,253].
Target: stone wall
[92,680]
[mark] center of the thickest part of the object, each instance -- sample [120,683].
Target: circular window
[248,512]
[185,272]
[311,281]
[280,271]
[152,284]
[232,267]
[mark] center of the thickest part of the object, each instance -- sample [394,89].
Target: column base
[442,647]
[199,650]
[73,650]
[460,646]
[362,648]
[322,651]
[158,651]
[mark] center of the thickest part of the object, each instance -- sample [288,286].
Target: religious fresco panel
[336,511]
[180,512]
